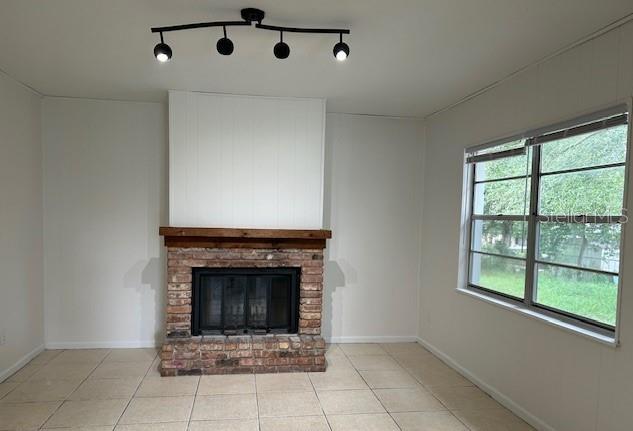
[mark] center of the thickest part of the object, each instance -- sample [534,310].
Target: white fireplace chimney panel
[245,161]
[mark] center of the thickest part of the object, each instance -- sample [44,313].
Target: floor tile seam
[259,425]
[193,404]
[320,404]
[118,362]
[78,386]
[425,387]
[127,406]
[431,393]
[379,400]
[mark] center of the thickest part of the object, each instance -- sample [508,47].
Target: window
[545,219]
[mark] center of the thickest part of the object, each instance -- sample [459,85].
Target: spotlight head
[162,52]
[341,51]
[225,46]
[281,50]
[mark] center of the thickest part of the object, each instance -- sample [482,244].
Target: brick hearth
[184,354]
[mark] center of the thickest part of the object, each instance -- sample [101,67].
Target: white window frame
[528,306]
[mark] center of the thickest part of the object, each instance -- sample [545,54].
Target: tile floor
[367,387]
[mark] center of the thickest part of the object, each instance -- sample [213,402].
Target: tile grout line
[426,388]
[429,390]
[193,404]
[327,421]
[81,383]
[259,425]
[371,389]
[392,356]
[135,391]
[431,393]
[21,383]
[38,368]
[18,383]
[86,378]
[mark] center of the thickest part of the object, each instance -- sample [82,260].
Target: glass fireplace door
[233,303]
[258,304]
[238,300]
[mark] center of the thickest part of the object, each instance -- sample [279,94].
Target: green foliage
[509,197]
[570,243]
[503,237]
[596,192]
[603,147]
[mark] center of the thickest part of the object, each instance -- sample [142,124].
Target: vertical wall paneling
[245,161]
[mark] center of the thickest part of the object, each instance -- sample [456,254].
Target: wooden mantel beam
[244,238]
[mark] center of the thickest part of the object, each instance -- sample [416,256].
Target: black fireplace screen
[245,300]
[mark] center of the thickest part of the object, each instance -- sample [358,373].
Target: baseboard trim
[504,400]
[372,339]
[101,344]
[20,363]
[153,343]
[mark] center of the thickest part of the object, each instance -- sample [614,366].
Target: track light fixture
[341,50]
[224,45]
[250,17]
[281,49]
[162,51]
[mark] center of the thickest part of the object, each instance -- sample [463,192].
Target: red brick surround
[242,354]
[183,354]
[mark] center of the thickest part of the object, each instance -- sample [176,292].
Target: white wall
[373,206]
[104,199]
[105,196]
[245,161]
[560,380]
[21,295]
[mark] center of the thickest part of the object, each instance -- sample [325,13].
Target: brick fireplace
[241,347]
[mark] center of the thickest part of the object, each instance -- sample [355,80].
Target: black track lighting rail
[250,16]
[253,18]
[199,25]
[303,30]
[167,29]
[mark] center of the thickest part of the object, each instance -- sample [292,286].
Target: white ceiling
[408,57]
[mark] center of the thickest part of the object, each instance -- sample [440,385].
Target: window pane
[501,237]
[502,168]
[593,246]
[601,147]
[499,274]
[598,193]
[579,292]
[509,197]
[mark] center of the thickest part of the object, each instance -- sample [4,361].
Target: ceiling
[408,57]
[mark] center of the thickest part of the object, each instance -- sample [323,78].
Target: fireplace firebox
[235,301]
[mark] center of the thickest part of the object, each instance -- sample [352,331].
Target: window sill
[548,319]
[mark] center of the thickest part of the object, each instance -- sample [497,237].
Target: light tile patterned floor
[367,387]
